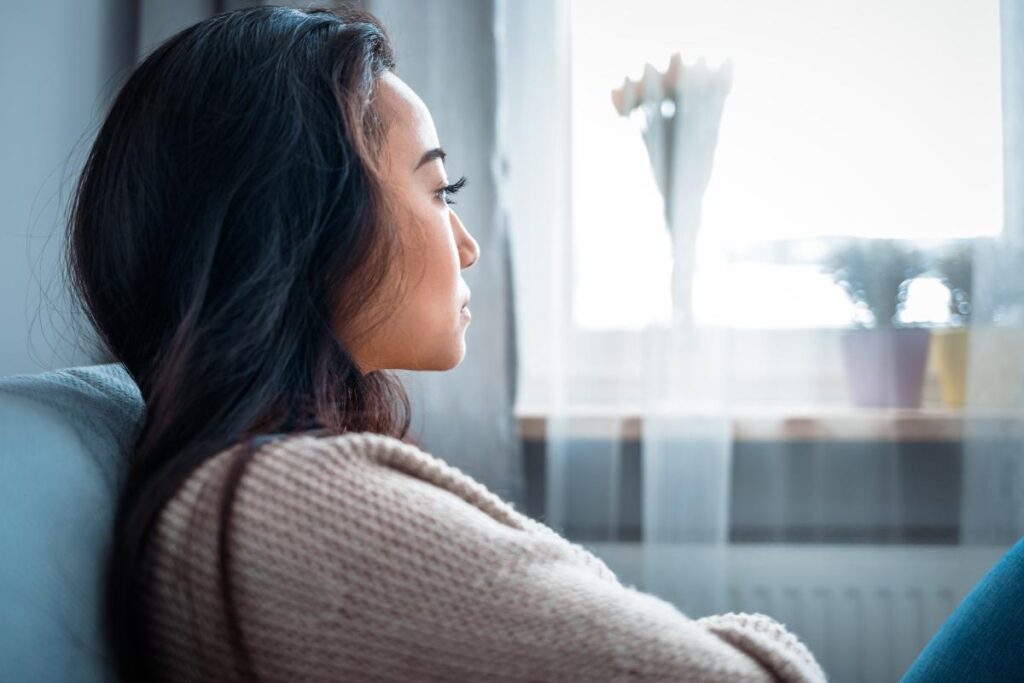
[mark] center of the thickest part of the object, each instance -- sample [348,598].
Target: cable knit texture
[359,557]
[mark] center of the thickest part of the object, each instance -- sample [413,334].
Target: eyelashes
[444,192]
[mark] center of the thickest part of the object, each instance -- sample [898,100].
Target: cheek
[440,260]
[431,263]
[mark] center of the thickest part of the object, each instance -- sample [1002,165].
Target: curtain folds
[860,527]
[686,435]
[992,511]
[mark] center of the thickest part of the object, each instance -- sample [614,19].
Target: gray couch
[63,439]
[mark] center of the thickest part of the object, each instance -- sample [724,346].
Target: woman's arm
[374,560]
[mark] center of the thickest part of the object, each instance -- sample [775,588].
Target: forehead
[410,128]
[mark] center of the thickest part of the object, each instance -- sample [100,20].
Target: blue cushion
[63,439]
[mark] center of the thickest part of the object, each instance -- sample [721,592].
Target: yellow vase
[949,349]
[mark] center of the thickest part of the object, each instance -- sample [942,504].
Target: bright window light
[869,118]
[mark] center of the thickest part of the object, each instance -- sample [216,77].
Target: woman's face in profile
[426,329]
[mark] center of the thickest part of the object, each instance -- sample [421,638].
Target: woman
[262,229]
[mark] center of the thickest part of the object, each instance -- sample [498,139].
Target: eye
[443,193]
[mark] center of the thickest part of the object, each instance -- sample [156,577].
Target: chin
[448,357]
[438,363]
[457,360]
[458,353]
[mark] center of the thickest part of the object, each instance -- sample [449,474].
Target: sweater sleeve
[360,557]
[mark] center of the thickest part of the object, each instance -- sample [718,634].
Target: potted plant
[885,359]
[955,267]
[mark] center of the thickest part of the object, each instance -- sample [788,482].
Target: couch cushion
[63,439]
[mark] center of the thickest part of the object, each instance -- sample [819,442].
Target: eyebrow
[430,155]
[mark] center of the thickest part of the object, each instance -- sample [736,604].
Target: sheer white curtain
[765,487]
[686,426]
[535,155]
[992,509]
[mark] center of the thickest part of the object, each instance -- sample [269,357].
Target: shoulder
[308,479]
[314,506]
[381,463]
[306,491]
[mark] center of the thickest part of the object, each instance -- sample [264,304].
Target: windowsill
[796,423]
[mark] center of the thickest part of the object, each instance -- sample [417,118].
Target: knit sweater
[360,557]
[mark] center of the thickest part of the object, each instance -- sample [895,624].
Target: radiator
[865,611]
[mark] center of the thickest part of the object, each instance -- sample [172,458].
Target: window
[873,119]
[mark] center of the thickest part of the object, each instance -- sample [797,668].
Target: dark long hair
[229,214]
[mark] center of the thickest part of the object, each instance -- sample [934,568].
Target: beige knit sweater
[360,557]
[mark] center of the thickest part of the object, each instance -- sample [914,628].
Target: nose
[469,250]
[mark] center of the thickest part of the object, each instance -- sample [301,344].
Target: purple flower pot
[885,367]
